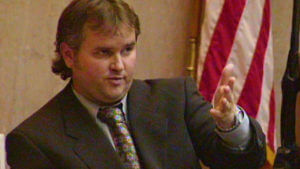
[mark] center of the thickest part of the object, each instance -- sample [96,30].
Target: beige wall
[27,34]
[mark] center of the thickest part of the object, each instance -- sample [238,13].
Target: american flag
[239,32]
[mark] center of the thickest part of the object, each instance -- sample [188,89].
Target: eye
[103,53]
[127,50]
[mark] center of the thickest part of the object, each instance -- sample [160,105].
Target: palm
[224,105]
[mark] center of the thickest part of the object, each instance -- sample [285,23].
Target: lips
[116,80]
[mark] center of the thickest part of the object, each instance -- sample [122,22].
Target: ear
[68,54]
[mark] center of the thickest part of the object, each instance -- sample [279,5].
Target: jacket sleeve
[22,153]
[209,146]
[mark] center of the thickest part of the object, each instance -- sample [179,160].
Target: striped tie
[113,117]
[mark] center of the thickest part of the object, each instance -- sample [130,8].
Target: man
[105,119]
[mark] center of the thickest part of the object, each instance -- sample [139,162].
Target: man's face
[104,64]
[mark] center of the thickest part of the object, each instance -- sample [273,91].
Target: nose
[117,63]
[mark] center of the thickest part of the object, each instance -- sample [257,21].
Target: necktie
[113,117]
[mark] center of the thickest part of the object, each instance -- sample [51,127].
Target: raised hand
[224,106]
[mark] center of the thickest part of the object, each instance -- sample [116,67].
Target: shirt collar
[93,107]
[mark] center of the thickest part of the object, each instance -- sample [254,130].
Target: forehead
[108,32]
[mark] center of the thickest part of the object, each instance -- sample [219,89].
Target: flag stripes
[239,32]
[220,46]
[251,94]
[209,23]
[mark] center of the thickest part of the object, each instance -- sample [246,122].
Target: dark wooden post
[288,156]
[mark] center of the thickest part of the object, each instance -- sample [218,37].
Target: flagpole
[192,67]
[194,39]
[288,155]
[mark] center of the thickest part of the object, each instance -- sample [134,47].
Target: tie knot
[111,116]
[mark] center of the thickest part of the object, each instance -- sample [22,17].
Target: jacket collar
[90,143]
[147,126]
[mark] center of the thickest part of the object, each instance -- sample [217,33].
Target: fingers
[226,85]
[231,82]
[220,114]
[224,103]
[223,120]
[228,94]
[227,74]
[225,91]
[225,88]
[224,114]
[226,100]
[216,114]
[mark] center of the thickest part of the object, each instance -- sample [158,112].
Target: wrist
[227,127]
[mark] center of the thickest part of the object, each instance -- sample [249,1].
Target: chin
[116,97]
[116,94]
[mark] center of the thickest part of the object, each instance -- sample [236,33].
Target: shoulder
[174,88]
[169,83]
[36,134]
[45,118]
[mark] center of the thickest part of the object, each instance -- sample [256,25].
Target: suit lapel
[148,127]
[90,143]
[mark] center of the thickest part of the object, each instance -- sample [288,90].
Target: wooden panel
[298,120]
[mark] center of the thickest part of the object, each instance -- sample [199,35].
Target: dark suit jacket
[169,121]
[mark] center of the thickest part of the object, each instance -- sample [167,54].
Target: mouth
[116,81]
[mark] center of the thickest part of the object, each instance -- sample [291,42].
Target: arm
[209,146]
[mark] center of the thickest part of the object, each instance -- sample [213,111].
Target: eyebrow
[110,48]
[131,44]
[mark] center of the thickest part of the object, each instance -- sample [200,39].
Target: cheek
[130,63]
[96,67]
